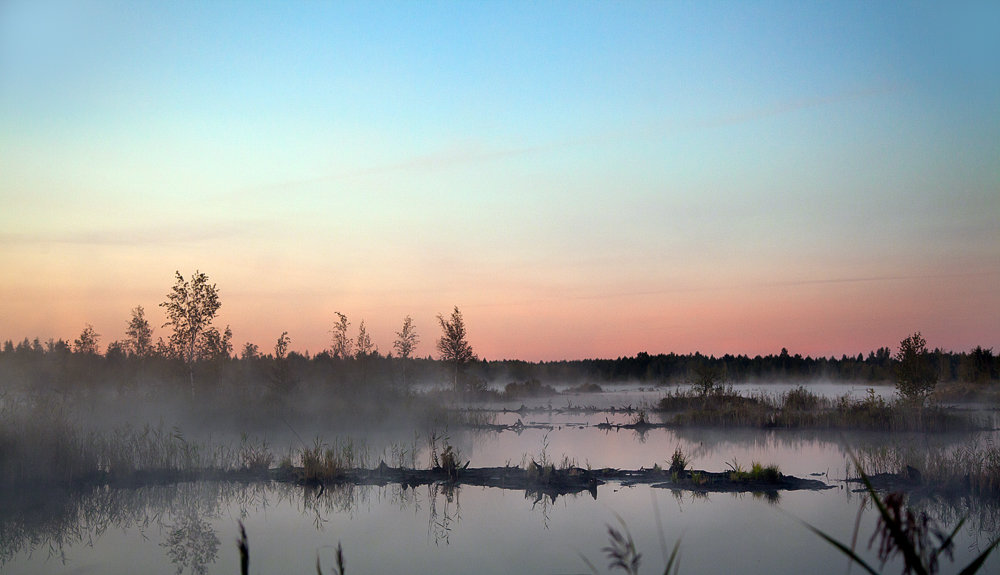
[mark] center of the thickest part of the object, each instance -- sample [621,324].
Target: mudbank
[551,481]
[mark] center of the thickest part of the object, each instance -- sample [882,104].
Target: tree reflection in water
[52,522]
[440,523]
[191,543]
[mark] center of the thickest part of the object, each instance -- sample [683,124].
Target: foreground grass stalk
[244,548]
[901,531]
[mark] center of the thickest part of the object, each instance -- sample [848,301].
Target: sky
[581,179]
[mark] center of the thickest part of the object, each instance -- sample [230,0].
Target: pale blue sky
[555,168]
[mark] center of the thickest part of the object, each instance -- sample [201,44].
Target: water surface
[192,527]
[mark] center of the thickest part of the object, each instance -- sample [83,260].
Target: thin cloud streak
[876,279]
[731,287]
[456,157]
[801,104]
[157,236]
[664,130]
[441,160]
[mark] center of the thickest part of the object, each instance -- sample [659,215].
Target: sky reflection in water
[192,527]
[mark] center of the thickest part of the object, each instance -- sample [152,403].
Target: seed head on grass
[621,551]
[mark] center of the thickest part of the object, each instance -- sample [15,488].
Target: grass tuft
[678,462]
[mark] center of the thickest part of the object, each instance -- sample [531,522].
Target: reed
[972,467]
[902,531]
[323,462]
[678,462]
[801,408]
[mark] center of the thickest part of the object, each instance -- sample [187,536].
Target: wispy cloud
[469,153]
[444,159]
[663,129]
[165,234]
[789,106]
[626,294]
[872,279]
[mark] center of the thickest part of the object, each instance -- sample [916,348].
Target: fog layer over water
[192,526]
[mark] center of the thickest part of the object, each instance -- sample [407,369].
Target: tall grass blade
[911,557]
[978,562]
[674,562]
[843,548]
[244,551]
[947,542]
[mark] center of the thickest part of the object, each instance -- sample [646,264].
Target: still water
[193,527]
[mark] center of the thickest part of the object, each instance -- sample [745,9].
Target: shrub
[800,398]
[529,388]
[589,387]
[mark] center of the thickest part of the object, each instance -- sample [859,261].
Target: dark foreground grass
[903,531]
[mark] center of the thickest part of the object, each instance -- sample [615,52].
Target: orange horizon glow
[630,180]
[818,320]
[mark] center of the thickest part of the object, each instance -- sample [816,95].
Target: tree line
[199,350]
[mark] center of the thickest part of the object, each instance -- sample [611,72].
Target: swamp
[107,464]
[694,242]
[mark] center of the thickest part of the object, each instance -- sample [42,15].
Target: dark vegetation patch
[585,388]
[530,388]
[966,392]
[801,408]
[972,467]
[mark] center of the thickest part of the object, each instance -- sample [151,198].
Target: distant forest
[60,366]
[980,365]
[199,357]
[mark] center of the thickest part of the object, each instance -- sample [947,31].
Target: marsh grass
[903,531]
[967,392]
[972,467]
[757,472]
[254,455]
[770,473]
[448,459]
[326,462]
[41,443]
[640,419]
[542,469]
[801,408]
[678,462]
[799,398]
